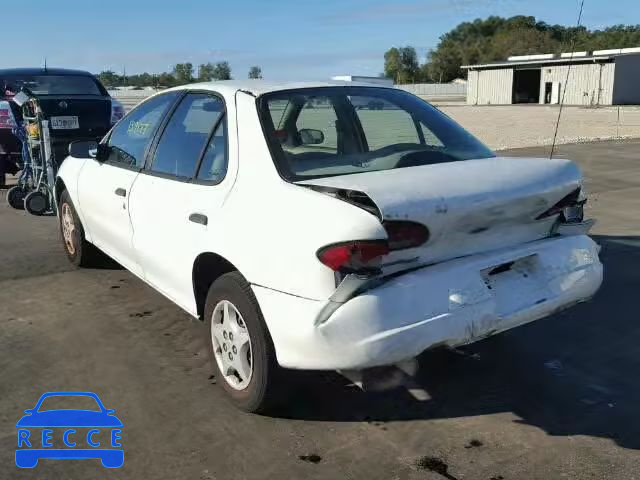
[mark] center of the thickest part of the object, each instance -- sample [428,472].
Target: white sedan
[325,226]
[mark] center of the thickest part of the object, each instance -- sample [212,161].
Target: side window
[186,135]
[430,137]
[130,140]
[384,123]
[278,110]
[215,160]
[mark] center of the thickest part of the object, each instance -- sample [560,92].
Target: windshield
[342,130]
[54,84]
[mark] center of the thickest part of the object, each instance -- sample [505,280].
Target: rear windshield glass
[332,131]
[53,84]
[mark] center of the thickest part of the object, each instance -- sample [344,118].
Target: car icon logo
[63,104]
[66,433]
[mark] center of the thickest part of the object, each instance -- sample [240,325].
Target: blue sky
[290,39]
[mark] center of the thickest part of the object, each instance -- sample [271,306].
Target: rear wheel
[15,197]
[239,345]
[80,252]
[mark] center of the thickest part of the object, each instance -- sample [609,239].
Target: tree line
[497,38]
[181,74]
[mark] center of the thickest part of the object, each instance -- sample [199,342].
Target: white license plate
[64,123]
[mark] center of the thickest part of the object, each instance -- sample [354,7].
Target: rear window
[332,131]
[54,84]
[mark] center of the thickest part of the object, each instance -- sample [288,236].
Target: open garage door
[526,86]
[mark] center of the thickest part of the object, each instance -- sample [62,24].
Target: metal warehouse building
[603,77]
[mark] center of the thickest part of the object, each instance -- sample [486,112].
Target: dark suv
[76,104]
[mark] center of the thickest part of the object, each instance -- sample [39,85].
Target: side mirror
[309,136]
[101,152]
[82,148]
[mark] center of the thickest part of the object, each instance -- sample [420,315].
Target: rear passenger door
[176,199]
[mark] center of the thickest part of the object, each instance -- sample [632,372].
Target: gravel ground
[503,127]
[499,127]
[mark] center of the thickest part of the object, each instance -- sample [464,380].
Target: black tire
[15,197]
[83,254]
[263,389]
[36,203]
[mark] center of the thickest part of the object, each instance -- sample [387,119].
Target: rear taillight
[403,234]
[571,207]
[117,111]
[6,116]
[353,256]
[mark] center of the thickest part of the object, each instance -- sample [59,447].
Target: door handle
[198,218]
[121,192]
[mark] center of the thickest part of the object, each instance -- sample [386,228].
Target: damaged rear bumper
[452,303]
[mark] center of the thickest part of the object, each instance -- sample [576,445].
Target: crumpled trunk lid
[470,206]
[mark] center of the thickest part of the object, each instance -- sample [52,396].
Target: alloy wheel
[231,345]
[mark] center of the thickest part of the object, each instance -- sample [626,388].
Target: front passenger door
[104,188]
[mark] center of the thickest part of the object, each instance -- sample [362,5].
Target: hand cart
[35,189]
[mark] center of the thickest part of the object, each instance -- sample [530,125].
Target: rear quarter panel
[271,229]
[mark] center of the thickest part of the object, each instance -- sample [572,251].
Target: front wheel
[239,345]
[80,252]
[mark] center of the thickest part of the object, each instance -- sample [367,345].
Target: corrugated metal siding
[607,83]
[472,87]
[590,84]
[435,89]
[495,87]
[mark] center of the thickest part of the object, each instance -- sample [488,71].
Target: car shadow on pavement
[575,373]
[104,262]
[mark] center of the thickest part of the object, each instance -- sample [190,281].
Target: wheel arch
[207,268]
[59,188]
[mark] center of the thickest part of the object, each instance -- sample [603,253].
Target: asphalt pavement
[554,399]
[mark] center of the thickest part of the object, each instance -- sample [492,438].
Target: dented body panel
[452,303]
[470,206]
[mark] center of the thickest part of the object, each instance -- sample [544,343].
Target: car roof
[42,71]
[260,87]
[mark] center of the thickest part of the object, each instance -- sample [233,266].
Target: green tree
[401,65]
[109,78]
[166,79]
[255,72]
[497,38]
[392,63]
[409,66]
[222,71]
[141,80]
[183,73]
[205,72]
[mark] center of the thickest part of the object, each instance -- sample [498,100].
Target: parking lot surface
[555,399]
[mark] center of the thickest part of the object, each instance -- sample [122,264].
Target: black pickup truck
[76,104]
